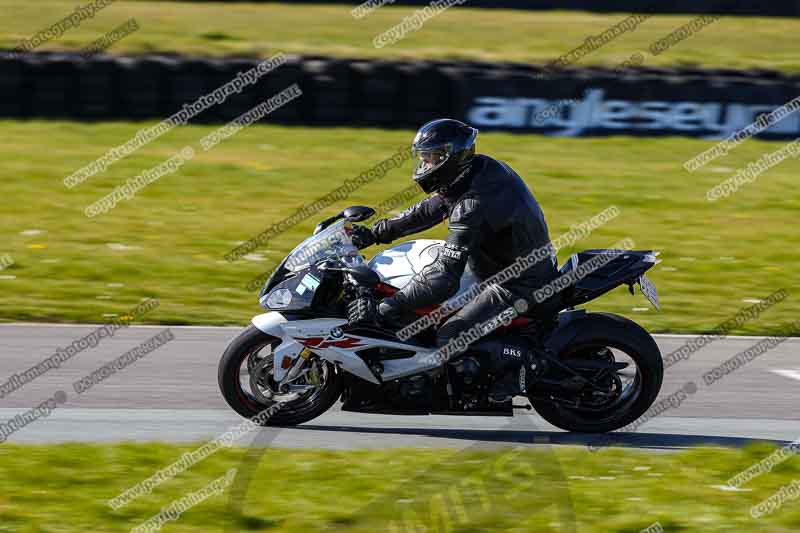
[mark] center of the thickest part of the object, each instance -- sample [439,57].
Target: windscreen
[333,241]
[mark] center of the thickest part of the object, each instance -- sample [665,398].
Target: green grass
[176,232]
[65,488]
[528,36]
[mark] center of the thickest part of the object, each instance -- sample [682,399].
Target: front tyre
[628,392]
[245,380]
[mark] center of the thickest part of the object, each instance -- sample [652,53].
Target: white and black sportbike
[581,371]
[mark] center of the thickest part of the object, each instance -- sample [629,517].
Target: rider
[493,219]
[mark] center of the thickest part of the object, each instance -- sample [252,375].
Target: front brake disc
[259,378]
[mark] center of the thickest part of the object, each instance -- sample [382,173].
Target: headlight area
[276,299]
[293,294]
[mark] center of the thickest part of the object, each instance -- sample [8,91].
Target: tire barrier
[782,8]
[95,82]
[330,91]
[53,86]
[142,87]
[339,92]
[13,80]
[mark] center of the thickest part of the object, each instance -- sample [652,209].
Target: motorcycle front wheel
[246,381]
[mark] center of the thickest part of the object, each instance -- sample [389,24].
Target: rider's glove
[362,237]
[363,311]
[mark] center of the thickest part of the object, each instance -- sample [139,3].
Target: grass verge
[64,488]
[170,240]
[209,28]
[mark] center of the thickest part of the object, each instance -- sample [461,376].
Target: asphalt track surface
[172,395]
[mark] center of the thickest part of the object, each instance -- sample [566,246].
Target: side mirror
[357,213]
[327,222]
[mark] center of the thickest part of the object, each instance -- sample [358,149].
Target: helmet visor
[428,161]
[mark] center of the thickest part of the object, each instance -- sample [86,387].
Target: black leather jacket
[493,219]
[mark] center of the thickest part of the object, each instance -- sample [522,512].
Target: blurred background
[592,108]
[596,104]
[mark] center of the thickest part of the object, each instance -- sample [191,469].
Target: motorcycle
[581,371]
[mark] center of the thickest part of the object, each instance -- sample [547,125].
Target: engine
[485,379]
[490,374]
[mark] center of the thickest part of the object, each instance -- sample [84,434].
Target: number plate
[649,290]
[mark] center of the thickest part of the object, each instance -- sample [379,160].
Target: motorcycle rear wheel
[604,330]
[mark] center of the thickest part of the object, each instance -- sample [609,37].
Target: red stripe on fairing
[320,343]
[311,342]
[347,342]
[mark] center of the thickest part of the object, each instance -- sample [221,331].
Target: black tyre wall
[403,94]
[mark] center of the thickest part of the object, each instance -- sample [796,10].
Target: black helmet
[443,148]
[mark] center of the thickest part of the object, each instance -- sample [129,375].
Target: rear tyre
[600,330]
[300,408]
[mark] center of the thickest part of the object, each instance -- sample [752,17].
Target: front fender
[270,323]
